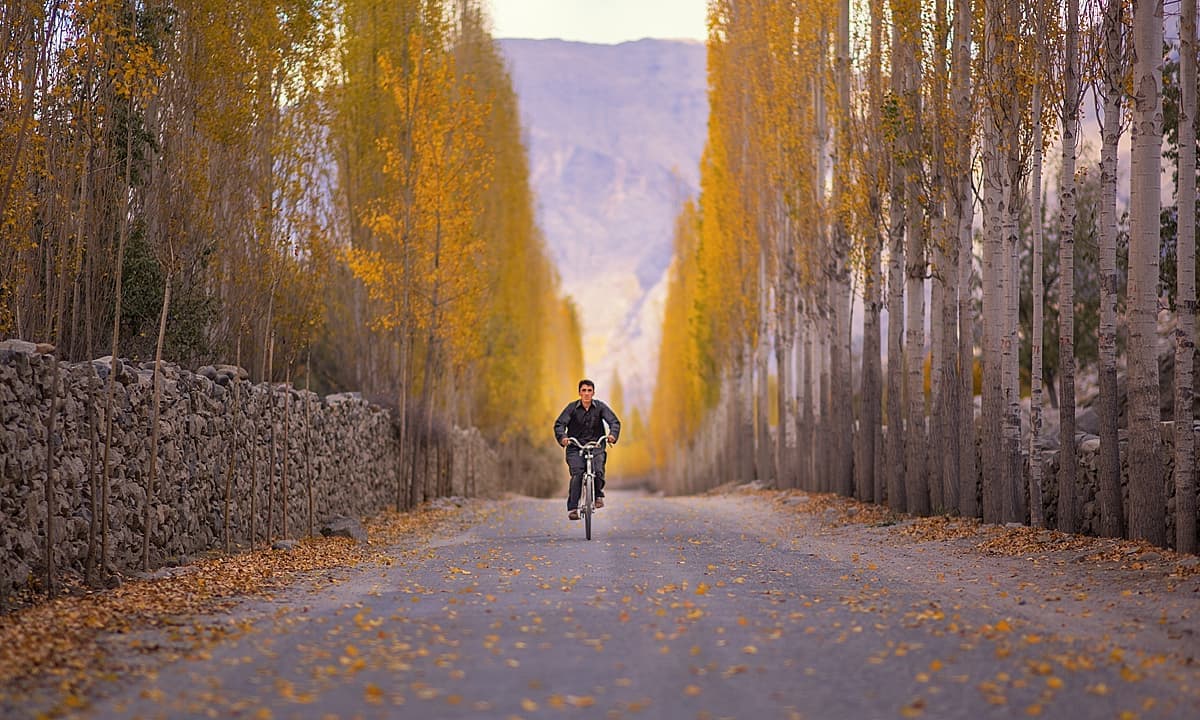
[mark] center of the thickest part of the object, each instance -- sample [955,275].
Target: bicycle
[587,497]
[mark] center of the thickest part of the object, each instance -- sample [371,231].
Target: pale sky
[598,21]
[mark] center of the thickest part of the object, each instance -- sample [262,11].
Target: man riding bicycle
[584,420]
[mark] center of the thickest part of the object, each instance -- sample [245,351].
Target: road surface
[731,606]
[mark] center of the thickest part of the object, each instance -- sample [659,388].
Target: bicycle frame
[587,498]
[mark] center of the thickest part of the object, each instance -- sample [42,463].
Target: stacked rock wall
[221,439]
[1087,474]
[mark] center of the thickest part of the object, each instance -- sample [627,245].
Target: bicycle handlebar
[593,445]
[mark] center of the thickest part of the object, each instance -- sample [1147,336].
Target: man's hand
[563,442]
[612,440]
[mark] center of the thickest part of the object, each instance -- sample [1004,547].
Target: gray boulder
[346,527]
[1087,420]
[20,346]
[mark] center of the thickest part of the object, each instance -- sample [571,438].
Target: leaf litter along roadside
[1074,605]
[835,511]
[1124,582]
[56,646]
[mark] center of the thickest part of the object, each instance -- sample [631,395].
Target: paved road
[679,608]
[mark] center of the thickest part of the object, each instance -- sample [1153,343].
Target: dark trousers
[577,465]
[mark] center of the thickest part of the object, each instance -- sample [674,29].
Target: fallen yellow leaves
[941,527]
[373,694]
[916,708]
[60,636]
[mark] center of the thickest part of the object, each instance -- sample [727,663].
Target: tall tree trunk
[784,475]
[916,482]
[744,400]
[287,450]
[1068,512]
[254,440]
[896,497]
[308,473]
[994,299]
[964,209]
[936,435]
[840,285]
[272,448]
[871,394]
[404,490]
[122,237]
[950,384]
[762,433]
[51,421]
[155,432]
[1147,510]
[234,414]
[895,449]
[828,442]
[943,440]
[842,386]
[93,489]
[811,377]
[872,381]
[1036,515]
[1185,325]
[1012,499]
[1112,514]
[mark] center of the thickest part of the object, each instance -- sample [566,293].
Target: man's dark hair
[587,382]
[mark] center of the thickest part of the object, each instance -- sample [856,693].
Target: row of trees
[300,187]
[878,154]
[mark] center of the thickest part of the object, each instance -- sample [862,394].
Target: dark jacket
[585,425]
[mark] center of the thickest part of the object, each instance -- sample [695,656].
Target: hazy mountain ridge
[615,134]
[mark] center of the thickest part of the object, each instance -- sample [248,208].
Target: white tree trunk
[811,397]
[870,431]
[964,208]
[1112,515]
[1036,516]
[941,332]
[843,466]
[1068,512]
[762,434]
[1185,329]
[895,448]
[916,482]
[994,299]
[1012,501]
[894,451]
[1147,512]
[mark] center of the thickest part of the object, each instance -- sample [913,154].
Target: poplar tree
[1147,504]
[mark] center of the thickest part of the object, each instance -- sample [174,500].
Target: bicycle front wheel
[588,506]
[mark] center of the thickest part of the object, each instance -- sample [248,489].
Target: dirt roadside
[1113,594]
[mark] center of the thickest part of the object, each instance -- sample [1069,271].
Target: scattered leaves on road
[59,638]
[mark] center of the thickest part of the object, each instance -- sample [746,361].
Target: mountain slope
[615,134]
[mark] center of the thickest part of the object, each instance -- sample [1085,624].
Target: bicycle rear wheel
[588,507]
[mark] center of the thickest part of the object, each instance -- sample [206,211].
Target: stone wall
[217,432]
[1088,468]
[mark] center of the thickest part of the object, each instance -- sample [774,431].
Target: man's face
[585,394]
